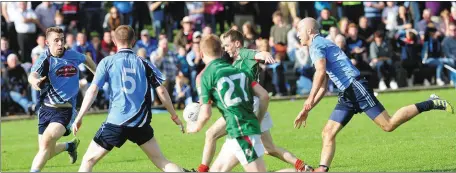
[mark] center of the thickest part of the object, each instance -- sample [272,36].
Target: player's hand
[178,122]
[301,119]
[308,104]
[36,83]
[76,125]
[192,128]
[268,59]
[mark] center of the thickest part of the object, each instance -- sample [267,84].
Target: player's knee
[328,134]
[388,128]
[270,150]
[211,136]
[89,160]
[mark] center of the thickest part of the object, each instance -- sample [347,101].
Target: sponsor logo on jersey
[66,71]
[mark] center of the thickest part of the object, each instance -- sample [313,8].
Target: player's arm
[318,80]
[90,64]
[204,116]
[166,100]
[263,96]
[322,91]
[39,67]
[98,81]
[264,56]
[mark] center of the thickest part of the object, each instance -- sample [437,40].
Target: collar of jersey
[315,36]
[125,50]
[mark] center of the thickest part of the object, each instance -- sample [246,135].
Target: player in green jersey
[248,61]
[232,91]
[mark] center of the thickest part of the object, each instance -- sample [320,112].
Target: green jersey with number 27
[231,90]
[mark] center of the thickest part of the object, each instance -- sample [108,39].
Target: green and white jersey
[246,61]
[230,89]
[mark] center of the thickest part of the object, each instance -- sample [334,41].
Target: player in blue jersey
[130,80]
[55,74]
[355,96]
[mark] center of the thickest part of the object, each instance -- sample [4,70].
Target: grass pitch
[426,143]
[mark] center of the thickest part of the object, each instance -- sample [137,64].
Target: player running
[232,90]
[246,60]
[355,95]
[130,79]
[55,74]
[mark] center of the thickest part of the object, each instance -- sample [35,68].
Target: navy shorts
[48,115]
[357,98]
[110,135]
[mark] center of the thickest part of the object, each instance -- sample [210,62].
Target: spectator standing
[279,30]
[157,14]
[26,23]
[389,17]
[46,13]
[92,13]
[373,13]
[196,14]
[449,47]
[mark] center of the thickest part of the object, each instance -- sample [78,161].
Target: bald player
[355,95]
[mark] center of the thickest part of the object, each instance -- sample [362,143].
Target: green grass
[426,143]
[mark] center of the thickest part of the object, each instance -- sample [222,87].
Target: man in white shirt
[36,52]
[25,22]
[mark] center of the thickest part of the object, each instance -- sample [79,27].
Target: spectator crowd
[393,44]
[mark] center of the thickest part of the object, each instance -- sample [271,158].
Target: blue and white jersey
[130,80]
[338,66]
[62,83]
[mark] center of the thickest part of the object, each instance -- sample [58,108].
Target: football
[191,112]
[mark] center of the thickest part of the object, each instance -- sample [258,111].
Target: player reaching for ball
[232,91]
[246,60]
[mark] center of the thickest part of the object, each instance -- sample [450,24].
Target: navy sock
[70,146]
[425,106]
[325,167]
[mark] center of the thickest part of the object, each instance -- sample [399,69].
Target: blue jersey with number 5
[130,81]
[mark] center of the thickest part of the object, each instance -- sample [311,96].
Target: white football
[191,112]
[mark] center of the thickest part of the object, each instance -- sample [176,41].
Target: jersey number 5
[131,80]
[228,93]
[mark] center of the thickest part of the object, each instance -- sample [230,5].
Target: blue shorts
[48,115]
[110,135]
[357,98]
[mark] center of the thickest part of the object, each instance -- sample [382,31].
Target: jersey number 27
[226,99]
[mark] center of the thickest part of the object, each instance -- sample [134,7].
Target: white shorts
[266,124]
[246,149]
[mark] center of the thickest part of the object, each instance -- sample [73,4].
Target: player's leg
[107,136]
[249,151]
[225,161]
[63,146]
[93,154]
[375,110]
[216,131]
[47,145]
[340,117]
[154,153]
[280,153]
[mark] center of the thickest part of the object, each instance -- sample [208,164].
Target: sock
[69,146]
[325,167]
[299,165]
[34,170]
[425,106]
[203,168]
